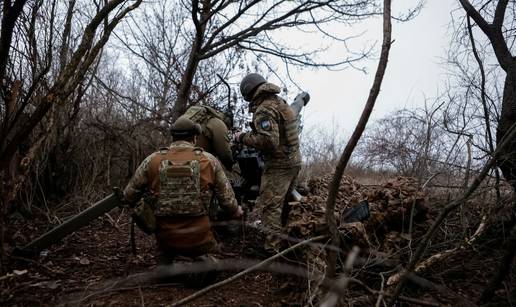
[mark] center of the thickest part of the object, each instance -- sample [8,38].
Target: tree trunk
[9,17]
[183,93]
[194,57]
[503,270]
[507,162]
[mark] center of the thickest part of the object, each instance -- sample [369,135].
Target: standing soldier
[182,179]
[275,133]
[215,135]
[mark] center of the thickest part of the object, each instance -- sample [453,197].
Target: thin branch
[239,275]
[493,32]
[448,209]
[342,284]
[357,133]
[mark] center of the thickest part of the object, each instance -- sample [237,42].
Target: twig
[424,265]
[141,297]
[427,284]
[239,275]
[380,296]
[112,289]
[413,209]
[112,222]
[48,269]
[506,140]
[341,285]
[401,298]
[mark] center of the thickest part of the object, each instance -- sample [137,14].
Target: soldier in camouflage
[215,135]
[275,134]
[183,179]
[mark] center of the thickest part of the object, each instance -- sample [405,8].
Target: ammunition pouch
[143,216]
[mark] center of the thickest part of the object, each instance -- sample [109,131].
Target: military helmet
[249,85]
[185,127]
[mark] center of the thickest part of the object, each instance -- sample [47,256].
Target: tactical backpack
[201,114]
[180,188]
[289,124]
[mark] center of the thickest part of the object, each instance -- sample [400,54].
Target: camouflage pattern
[179,234]
[275,128]
[143,215]
[215,134]
[180,190]
[275,133]
[276,184]
[213,179]
[221,188]
[139,183]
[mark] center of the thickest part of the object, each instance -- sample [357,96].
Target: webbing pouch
[180,189]
[143,217]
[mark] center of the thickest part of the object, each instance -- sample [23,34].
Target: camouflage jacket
[213,180]
[215,135]
[274,130]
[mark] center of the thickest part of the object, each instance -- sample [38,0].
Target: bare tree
[28,98]
[218,26]
[499,34]
[157,51]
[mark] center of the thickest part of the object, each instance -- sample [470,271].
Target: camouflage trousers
[276,185]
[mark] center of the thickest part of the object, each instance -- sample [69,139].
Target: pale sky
[414,71]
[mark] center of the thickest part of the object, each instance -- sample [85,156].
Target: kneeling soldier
[182,179]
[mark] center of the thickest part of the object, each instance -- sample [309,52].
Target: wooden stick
[239,275]
[342,284]
[355,137]
[401,298]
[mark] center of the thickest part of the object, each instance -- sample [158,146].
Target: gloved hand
[238,213]
[124,203]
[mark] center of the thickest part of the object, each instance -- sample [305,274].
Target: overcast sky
[414,71]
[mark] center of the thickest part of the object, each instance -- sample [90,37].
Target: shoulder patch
[265,124]
[198,151]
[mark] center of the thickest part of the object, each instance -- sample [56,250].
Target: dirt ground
[77,271]
[90,266]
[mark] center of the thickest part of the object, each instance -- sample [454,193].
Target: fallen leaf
[51,284]
[19,273]
[84,261]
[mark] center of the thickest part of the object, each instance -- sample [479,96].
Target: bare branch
[357,133]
